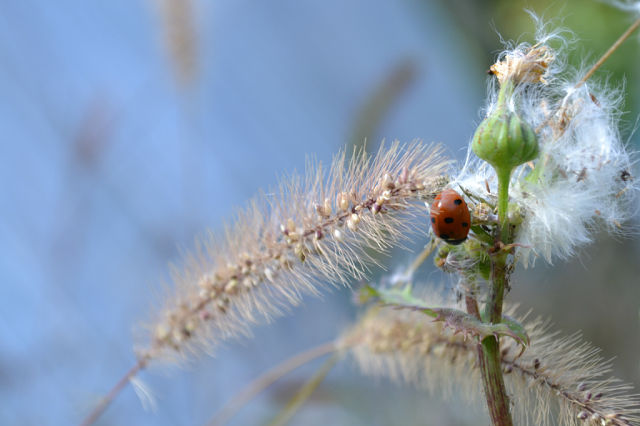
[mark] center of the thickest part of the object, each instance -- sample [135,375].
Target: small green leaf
[459,321]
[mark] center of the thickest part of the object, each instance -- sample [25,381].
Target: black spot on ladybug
[448,220]
[465,224]
[457,202]
[444,236]
[433,219]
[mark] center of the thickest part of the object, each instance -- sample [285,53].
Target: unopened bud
[504,140]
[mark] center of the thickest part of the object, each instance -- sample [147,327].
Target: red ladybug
[450,218]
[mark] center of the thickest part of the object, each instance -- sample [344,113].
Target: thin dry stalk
[268,378]
[634,26]
[106,401]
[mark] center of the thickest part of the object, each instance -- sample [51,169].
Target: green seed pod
[504,140]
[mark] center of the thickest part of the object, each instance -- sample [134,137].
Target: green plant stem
[504,176]
[505,93]
[493,382]
[489,362]
[493,308]
[489,349]
[488,355]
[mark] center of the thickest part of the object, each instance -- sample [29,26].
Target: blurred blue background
[131,127]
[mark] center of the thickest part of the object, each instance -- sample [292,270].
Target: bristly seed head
[409,347]
[278,248]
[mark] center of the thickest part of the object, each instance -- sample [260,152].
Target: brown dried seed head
[530,67]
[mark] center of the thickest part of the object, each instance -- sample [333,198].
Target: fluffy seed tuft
[583,177]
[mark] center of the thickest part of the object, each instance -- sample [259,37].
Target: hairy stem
[493,308]
[493,382]
[489,350]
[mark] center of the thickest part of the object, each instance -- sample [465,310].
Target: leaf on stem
[459,321]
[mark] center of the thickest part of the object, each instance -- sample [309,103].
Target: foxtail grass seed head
[557,380]
[316,230]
